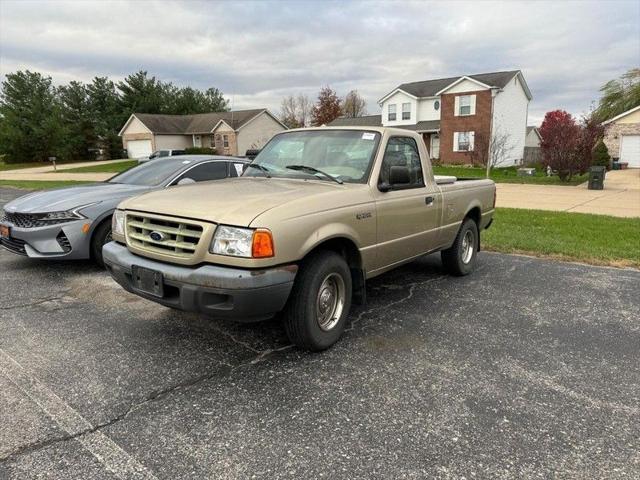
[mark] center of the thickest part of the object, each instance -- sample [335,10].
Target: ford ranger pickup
[317,213]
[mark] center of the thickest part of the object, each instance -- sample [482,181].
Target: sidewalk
[46,173]
[620,197]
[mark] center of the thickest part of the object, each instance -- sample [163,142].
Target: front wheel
[460,258]
[316,312]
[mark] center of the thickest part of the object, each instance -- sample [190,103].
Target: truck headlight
[117,222]
[242,242]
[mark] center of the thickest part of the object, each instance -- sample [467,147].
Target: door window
[206,171]
[403,152]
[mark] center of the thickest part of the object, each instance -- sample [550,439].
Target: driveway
[525,369]
[620,197]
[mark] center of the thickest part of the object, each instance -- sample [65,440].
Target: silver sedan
[75,222]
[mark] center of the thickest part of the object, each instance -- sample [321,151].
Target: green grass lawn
[506,175]
[595,239]
[38,185]
[115,167]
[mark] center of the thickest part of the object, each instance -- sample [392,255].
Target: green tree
[30,118]
[104,105]
[77,121]
[601,155]
[139,93]
[619,95]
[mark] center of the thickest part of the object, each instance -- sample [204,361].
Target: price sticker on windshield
[368,136]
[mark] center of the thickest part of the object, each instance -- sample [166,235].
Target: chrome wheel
[468,246]
[330,301]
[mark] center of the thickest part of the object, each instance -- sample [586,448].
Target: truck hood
[72,197]
[234,201]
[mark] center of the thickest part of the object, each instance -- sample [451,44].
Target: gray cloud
[257,52]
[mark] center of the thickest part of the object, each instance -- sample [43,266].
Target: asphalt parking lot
[526,369]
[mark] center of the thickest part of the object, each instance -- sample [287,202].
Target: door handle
[428,200]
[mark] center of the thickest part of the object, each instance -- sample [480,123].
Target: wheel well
[349,251]
[475,215]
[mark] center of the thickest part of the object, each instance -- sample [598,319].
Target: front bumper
[224,292]
[56,241]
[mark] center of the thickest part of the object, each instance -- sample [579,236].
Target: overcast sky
[257,52]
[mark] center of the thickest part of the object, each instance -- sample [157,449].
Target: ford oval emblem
[157,236]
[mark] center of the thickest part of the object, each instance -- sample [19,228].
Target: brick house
[459,115]
[230,133]
[622,137]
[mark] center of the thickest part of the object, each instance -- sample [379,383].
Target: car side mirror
[399,175]
[186,181]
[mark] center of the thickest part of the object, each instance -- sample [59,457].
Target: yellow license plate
[4,231]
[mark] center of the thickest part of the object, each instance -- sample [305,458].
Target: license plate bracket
[5,231]
[147,280]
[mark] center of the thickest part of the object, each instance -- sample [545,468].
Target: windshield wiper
[313,170]
[262,168]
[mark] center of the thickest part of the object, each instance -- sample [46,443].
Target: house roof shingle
[429,88]
[197,123]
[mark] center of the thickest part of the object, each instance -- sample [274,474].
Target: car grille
[30,220]
[14,245]
[180,238]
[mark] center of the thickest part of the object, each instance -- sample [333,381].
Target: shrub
[200,151]
[601,155]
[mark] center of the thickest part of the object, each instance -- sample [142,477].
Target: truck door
[407,214]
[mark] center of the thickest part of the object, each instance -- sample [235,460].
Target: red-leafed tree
[327,108]
[560,139]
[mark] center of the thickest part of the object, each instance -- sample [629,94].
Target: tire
[460,258]
[101,235]
[324,280]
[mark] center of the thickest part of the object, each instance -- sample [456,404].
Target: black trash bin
[596,177]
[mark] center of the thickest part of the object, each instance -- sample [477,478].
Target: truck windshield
[346,155]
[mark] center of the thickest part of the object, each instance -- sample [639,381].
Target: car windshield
[346,155]
[151,173]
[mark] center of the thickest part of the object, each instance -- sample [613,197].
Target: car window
[206,171]
[403,152]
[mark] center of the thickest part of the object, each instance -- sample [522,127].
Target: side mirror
[186,181]
[399,175]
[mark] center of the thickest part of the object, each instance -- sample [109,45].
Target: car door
[408,213]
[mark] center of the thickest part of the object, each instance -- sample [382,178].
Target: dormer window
[392,112]
[406,111]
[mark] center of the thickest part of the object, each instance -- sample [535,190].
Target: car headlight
[117,222]
[242,242]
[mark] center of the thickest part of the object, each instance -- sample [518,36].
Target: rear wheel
[316,312]
[460,258]
[101,236]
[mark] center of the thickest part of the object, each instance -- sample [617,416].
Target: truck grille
[30,220]
[162,235]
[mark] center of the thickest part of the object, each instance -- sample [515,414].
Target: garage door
[630,150]
[138,148]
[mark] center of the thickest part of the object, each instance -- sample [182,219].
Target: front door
[407,214]
[434,151]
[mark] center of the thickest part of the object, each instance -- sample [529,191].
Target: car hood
[72,197]
[234,201]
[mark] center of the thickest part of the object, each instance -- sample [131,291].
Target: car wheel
[100,237]
[319,303]
[460,258]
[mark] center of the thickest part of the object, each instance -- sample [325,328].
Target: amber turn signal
[262,245]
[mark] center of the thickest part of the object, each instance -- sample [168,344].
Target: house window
[406,111]
[436,105]
[392,112]
[465,105]
[225,141]
[463,141]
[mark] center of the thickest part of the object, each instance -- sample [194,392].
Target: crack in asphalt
[153,396]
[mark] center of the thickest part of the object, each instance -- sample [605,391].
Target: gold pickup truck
[318,213]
